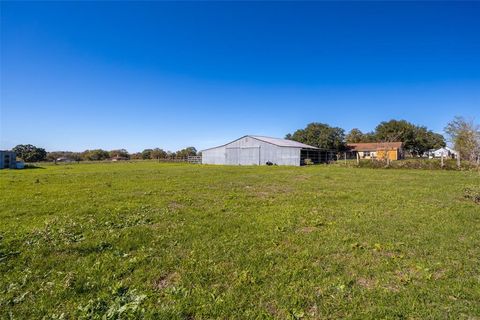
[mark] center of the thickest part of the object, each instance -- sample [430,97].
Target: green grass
[150,240]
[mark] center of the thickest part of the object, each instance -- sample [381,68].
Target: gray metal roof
[283,142]
[275,141]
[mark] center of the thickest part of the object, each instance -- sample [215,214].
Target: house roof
[275,141]
[374,146]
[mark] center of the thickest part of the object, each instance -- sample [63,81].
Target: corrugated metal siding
[250,151]
[214,156]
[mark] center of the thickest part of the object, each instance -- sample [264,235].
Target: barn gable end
[256,150]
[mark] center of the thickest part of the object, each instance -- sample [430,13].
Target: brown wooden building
[377,150]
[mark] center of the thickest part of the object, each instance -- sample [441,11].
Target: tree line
[30,153]
[463,134]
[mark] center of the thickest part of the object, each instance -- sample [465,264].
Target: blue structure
[8,160]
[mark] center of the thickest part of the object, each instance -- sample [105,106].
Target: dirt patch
[439,274]
[271,309]
[166,281]
[302,177]
[307,229]
[392,288]
[266,192]
[403,276]
[366,283]
[175,206]
[313,311]
[389,254]
[262,194]
[275,312]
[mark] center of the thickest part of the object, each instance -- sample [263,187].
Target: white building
[446,152]
[258,150]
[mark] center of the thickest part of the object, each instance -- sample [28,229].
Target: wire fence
[194,159]
[347,159]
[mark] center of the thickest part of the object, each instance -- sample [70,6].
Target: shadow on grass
[31,167]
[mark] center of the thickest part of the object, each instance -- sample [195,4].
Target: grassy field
[149,240]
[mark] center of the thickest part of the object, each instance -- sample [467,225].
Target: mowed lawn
[150,240]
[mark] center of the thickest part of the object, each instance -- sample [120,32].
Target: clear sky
[170,75]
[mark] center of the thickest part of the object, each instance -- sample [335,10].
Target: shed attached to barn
[259,150]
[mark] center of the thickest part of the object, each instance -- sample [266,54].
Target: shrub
[418,163]
[308,161]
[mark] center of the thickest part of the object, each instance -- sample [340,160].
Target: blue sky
[152,74]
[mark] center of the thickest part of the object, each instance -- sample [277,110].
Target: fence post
[345,158]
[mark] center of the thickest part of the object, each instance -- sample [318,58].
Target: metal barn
[258,150]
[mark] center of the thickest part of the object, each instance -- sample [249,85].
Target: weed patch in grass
[472,193]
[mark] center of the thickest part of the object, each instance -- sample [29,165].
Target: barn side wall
[267,152]
[214,156]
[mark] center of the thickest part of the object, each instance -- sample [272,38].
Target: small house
[377,150]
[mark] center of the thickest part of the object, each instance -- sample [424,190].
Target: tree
[369,137]
[147,154]
[77,156]
[184,153]
[396,130]
[465,136]
[354,136]
[320,135]
[95,155]
[136,156]
[357,136]
[425,140]
[437,140]
[30,153]
[119,153]
[54,155]
[158,153]
[416,139]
